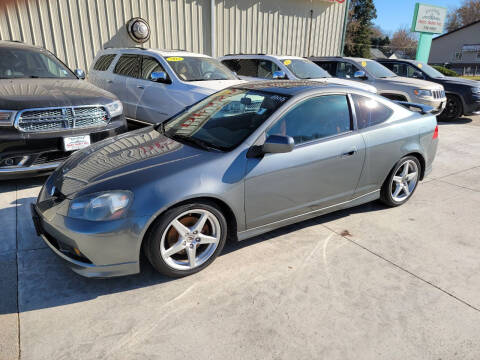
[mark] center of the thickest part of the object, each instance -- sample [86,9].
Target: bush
[445,71]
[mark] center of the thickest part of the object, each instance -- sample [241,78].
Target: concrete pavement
[365,283]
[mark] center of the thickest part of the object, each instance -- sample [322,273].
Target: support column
[423,48]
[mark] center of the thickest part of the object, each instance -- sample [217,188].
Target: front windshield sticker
[287,62]
[420,65]
[364,63]
[174,58]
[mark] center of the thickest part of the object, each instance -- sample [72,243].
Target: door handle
[352,152]
[109,81]
[140,87]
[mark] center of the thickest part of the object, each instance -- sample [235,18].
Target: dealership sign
[429,19]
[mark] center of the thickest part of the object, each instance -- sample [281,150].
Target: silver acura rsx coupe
[244,161]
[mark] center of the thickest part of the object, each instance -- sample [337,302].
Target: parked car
[154,85]
[244,161]
[463,95]
[388,84]
[47,111]
[255,67]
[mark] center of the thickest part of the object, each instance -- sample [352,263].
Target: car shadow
[458,121]
[44,281]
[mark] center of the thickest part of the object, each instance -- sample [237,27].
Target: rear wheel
[186,239]
[402,182]
[453,109]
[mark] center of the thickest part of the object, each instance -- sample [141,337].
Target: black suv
[47,111]
[463,95]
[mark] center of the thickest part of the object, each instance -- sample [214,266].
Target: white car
[261,66]
[154,85]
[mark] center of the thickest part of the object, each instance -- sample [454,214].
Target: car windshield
[430,71]
[196,68]
[376,69]
[224,120]
[20,63]
[305,69]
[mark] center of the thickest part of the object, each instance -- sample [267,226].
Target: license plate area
[72,143]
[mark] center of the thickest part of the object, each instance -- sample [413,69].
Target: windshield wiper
[193,141]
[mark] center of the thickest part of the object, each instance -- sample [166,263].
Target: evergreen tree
[359,26]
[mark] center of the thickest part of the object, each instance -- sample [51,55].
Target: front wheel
[402,182]
[453,108]
[186,239]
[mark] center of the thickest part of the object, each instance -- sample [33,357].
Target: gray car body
[257,194]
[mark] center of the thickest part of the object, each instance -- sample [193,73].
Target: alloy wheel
[404,181]
[190,239]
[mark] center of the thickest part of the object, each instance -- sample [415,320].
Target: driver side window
[346,70]
[315,118]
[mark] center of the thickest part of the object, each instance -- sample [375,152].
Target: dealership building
[75,30]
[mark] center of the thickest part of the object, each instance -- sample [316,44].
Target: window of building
[370,112]
[128,65]
[458,55]
[103,62]
[150,65]
[314,119]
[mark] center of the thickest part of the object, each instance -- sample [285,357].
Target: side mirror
[279,75]
[278,144]
[80,74]
[360,75]
[418,75]
[159,76]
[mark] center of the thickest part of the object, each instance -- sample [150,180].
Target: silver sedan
[244,161]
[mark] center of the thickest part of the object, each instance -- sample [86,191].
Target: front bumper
[37,154]
[91,249]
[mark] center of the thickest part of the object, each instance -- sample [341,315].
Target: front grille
[438,94]
[51,156]
[56,119]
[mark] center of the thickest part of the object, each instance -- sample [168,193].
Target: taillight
[435,133]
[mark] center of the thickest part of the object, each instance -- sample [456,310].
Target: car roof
[289,87]
[397,60]
[18,45]
[161,52]
[246,56]
[330,58]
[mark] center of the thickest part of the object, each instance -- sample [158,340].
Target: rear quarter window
[104,62]
[370,112]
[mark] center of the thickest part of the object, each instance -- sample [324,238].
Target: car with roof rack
[254,67]
[463,95]
[153,84]
[388,84]
[48,111]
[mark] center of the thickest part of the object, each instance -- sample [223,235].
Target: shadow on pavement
[459,121]
[44,281]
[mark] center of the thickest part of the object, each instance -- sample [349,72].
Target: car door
[322,170]
[125,83]
[156,103]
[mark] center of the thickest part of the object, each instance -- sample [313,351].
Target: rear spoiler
[424,109]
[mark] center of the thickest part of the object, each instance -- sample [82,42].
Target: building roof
[460,28]
[377,54]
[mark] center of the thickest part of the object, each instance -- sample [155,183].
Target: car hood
[209,87]
[459,81]
[417,83]
[349,83]
[124,154]
[19,94]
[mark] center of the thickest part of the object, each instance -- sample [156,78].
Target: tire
[399,186]
[180,244]
[453,109]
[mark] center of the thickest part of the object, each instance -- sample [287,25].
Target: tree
[404,42]
[467,13]
[380,40]
[360,16]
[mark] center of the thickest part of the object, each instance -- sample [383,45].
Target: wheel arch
[394,96]
[419,157]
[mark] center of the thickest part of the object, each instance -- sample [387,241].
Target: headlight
[6,118]
[422,93]
[115,108]
[101,206]
[476,90]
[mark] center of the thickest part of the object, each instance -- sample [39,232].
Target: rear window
[103,62]
[128,65]
[370,112]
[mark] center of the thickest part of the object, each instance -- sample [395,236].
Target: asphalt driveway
[364,283]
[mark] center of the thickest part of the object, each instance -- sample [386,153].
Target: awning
[471,47]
